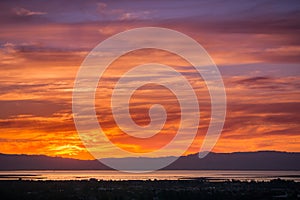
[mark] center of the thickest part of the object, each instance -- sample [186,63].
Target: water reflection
[158,175]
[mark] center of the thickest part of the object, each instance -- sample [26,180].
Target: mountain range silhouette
[260,160]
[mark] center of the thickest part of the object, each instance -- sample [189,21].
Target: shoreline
[149,189]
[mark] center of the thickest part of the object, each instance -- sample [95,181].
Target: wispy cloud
[25,12]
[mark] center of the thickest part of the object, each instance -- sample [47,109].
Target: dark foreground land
[162,189]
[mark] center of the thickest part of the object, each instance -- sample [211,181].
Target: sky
[255,44]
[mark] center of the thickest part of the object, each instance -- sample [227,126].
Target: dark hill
[262,160]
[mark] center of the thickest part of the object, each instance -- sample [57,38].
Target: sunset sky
[255,44]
